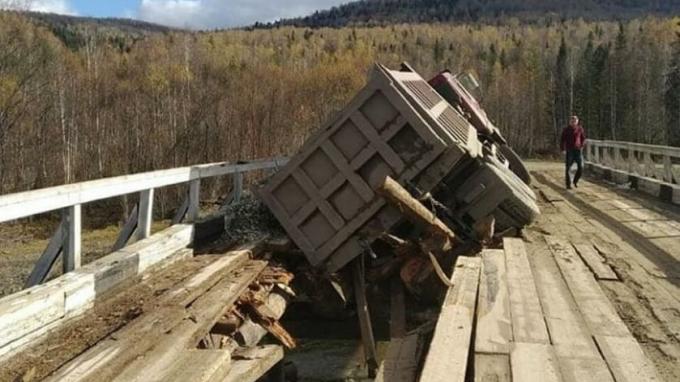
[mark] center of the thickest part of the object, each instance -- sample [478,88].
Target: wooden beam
[534,362]
[401,361]
[447,359]
[197,366]
[15,206]
[127,231]
[238,187]
[44,265]
[194,201]
[626,359]
[181,211]
[595,262]
[72,249]
[364,317]
[494,324]
[153,339]
[597,310]
[249,365]
[528,324]
[412,208]
[145,213]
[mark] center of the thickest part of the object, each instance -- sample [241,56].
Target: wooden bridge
[591,292]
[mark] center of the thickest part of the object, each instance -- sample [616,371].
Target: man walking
[573,140]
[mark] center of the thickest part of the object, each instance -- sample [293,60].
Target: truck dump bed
[397,126]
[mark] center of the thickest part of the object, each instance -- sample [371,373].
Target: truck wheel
[516,164]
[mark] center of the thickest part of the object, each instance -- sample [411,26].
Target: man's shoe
[568,187]
[576,185]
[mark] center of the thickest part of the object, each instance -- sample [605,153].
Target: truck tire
[516,164]
[520,208]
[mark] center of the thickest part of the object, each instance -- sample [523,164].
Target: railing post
[596,155]
[238,187]
[145,214]
[71,257]
[194,200]
[617,159]
[668,168]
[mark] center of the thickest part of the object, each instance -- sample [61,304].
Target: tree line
[115,105]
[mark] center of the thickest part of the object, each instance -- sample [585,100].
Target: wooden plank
[494,325]
[401,360]
[492,367]
[145,214]
[44,265]
[532,362]
[15,206]
[528,324]
[595,262]
[198,319]
[124,348]
[597,310]
[447,357]
[29,310]
[626,359]
[194,208]
[197,366]
[251,364]
[72,241]
[579,359]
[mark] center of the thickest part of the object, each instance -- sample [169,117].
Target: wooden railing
[658,162]
[70,198]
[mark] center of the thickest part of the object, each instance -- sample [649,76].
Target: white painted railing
[658,162]
[70,198]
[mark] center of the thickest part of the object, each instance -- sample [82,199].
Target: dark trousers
[574,156]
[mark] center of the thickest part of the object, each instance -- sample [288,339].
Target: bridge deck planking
[645,295]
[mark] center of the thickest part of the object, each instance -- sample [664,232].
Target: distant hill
[381,12]
[74,31]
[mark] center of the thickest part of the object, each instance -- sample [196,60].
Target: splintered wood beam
[365,317]
[414,210]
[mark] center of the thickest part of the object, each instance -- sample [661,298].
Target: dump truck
[458,90]
[397,126]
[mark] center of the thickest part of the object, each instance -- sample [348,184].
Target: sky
[194,14]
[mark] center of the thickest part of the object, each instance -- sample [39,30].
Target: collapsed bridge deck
[589,292]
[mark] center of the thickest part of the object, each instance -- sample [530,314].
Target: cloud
[48,6]
[208,14]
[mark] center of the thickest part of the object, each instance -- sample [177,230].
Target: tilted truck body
[397,126]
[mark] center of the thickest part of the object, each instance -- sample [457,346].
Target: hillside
[75,31]
[382,12]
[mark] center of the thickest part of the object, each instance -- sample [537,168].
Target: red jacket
[573,138]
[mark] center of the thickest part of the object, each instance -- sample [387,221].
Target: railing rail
[69,199]
[658,162]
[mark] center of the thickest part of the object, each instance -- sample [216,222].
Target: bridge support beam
[72,249]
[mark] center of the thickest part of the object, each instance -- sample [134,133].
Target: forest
[84,103]
[385,12]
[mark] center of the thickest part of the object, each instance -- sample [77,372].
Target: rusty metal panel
[325,196]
